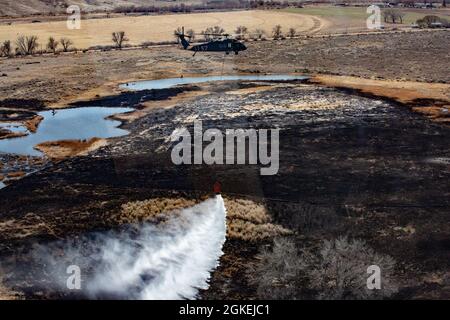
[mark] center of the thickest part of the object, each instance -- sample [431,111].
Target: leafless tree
[191,34]
[52,44]
[399,16]
[292,32]
[212,33]
[207,34]
[393,16]
[387,15]
[21,45]
[6,49]
[176,33]
[241,31]
[335,271]
[218,30]
[276,32]
[66,44]
[259,33]
[119,38]
[26,45]
[278,271]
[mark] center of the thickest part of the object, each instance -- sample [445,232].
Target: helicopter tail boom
[183,40]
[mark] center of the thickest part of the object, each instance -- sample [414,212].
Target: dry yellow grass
[30,225]
[70,148]
[250,221]
[246,219]
[33,123]
[407,92]
[155,210]
[159,28]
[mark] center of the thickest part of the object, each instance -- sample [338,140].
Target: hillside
[29,7]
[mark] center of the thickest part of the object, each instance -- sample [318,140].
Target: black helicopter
[225,45]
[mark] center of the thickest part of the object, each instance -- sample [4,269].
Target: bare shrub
[428,21]
[241,32]
[26,45]
[277,32]
[306,218]
[259,34]
[292,32]
[32,44]
[337,271]
[21,45]
[213,33]
[341,271]
[6,49]
[218,30]
[52,44]
[393,16]
[207,34]
[190,33]
[66,44]
[278,271]
[119,38]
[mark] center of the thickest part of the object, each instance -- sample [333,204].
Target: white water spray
[151,262]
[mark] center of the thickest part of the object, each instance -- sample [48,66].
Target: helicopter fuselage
[227,46]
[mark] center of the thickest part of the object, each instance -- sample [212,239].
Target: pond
[90,122]
[171,82]
[62,124]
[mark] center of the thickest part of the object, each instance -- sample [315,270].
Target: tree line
[28,45]
[216,5]
[241,33]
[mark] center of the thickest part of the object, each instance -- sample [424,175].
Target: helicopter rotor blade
[184,35]
[216,34]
